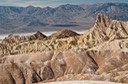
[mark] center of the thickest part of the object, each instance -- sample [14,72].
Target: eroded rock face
[103,30]
[27,68]
[115,45]
[66,65]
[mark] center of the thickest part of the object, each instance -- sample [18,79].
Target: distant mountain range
[30,19]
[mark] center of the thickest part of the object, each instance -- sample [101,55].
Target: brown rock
[38,35]
[64,33]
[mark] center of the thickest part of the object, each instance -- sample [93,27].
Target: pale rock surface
[81,82]
[64,66]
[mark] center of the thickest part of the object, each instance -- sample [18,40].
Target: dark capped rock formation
[38,35]
[64,33]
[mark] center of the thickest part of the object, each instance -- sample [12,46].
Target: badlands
[100,54]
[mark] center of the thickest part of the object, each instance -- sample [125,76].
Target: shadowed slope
[64,33]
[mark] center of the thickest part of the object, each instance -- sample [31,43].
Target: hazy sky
[52,3]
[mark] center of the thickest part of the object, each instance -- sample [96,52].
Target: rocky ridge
[20,39]
[99,54]
[80,17]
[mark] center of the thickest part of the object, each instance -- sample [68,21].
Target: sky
[52,3]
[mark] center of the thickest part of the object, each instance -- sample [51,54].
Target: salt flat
[27,34]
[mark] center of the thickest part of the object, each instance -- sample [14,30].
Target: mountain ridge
[28,19]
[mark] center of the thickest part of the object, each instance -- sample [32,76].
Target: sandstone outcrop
[66,65]
[44,66]
[115,45]
[103,30]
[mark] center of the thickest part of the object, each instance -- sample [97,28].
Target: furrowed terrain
[99,54]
